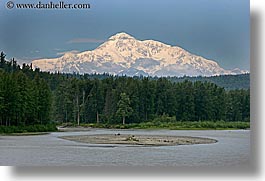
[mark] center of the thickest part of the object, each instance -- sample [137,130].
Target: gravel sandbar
[144,140]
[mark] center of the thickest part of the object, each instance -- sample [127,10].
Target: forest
[30,97]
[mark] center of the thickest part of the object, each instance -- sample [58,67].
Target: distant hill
[229,82]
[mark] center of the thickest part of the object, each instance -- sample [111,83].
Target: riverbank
[25,134]
[27,130]
[178,125]
[141,140]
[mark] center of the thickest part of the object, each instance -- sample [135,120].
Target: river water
[232,149]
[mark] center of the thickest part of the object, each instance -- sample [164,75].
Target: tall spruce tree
[124,109]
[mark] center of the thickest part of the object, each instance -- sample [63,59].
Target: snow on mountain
[123,54]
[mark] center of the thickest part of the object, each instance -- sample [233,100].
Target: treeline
[94,100]
[34,97]
[229,82]
[25,98]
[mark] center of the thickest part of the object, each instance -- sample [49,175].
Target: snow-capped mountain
[123,54]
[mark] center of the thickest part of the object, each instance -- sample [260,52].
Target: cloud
[34,51]
[26,60]
[63,53]
[57,49]
[85,40]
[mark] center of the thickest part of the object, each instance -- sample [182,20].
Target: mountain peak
[121,35]
[123,54]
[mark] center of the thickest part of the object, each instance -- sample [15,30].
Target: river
[232,149]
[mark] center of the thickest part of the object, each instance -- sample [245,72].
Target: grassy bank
[187,125]
[27,130]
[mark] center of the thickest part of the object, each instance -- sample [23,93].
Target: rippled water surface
[232,149]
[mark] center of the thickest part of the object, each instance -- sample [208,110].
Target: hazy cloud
[57,49]
[72,51]
[26,60]
[35,51]
[85,40]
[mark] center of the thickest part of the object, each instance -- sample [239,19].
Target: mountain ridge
[124,54]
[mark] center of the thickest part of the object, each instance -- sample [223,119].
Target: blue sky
[214,29]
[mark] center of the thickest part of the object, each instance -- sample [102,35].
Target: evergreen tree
[186,106]
[95,101]
[124,109]
[147,98]
[2,61]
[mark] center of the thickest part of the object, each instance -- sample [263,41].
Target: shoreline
[139,140]
[81,128]
[25,134]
